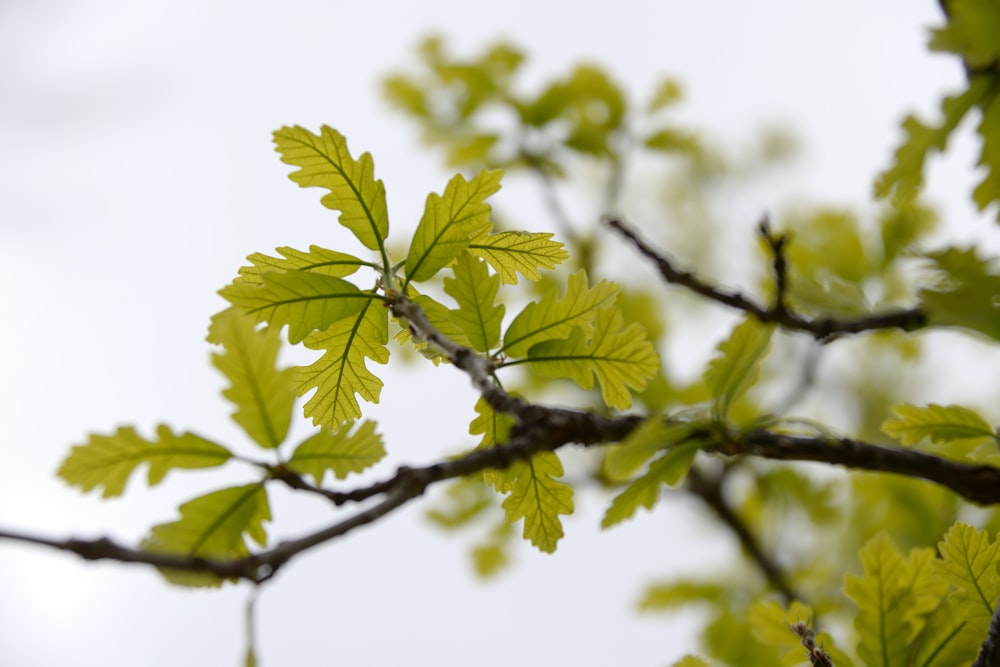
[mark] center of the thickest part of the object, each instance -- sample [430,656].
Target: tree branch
[822,328]
[989,655]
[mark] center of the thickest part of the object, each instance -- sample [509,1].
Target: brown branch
[709,490]
[821,328]
[989,654]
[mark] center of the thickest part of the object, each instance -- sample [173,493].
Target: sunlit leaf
[324,161]
[442,319]
[655,434]
[969,562]
[316,260]
[937,423]
[495,428]
[691,661]
[341,373]
[619,358]
[341,452]
[475,292]
[539,498]
[449,223]
[971,32]
[213,526]
[262,393]
[109,460]
[554,317]
[967,294]
[306,302]
[736,368]
[669,469]
[511,253]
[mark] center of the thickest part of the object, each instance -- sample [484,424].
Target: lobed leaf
[341,373]
[340,451]
[317,260]
[449,223]
[967,293]
[441,318]
[109,460]
[620,359]
[937,423]
[538,498]
[554,317]
[262,393]
[652,436]
[475,292]
[324,161]
[774,625]
[306,302]
[644,491]
[737,366]
[495,428]
[213,526]
[969,562]
[510,253]
[971,32]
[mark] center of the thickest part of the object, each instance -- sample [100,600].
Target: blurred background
[137,173]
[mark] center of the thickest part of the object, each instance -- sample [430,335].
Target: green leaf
[883,598]
[538,498]
[655,434]
[669,469]
[510,253]
[306,302]
[262,393]
[317,260]
[555,317]
[475,292]
[736,368]
[971,32]
[691,661]
[620,359]
[673,594]
[449,223]
[988,191]
[969,562]
[495,429]
[109,460]
[967,293]
[938,423]
[325,162]
[668,92]
[213,526]
[341,452]
[441,318]
[904,178]
[773,625]
[341,372]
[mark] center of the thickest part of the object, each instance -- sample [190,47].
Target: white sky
[137,172]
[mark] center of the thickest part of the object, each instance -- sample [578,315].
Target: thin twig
[709,489]
[822,328]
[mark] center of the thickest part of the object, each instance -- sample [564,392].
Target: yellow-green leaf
[306,302]
[653,435]
[325,162]
[342,451]
[475,292]
[495,428]
[735,369]
[691,661]
[109,460]
[966,294]
[449,223]
[883,598]
[669,469]
[620,359]
[539,498]
[937,423]
[341,373]
[213,526]
[773,625]
[441,318]
[554,317]
[262,393]
[969,561]
[510,253]
[972,32]
[317,260]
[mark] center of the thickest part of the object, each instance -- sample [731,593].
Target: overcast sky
[137,172]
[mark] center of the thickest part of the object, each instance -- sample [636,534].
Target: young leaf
[654,435]
[495,429]
[691,661]
[317,260]
[966,295]
[510,253]
[734,370]
[341,452]
[262,393]
[669,469]
[341,372]
[553,317]
[969,561]
[971,32]
[109,460]
[621,359]
[449,223]
[773,625]
[475,291]
[306,302]
[883,598]
[938,423]
[538,498]
[439,316]
[213,526]
[324,161]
